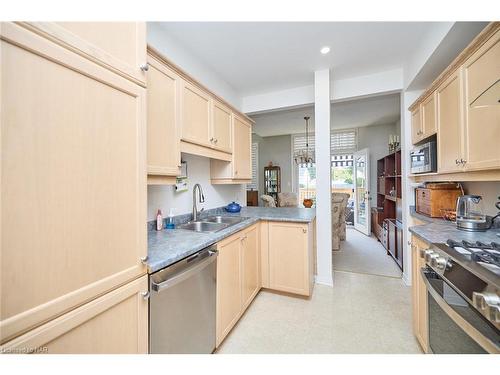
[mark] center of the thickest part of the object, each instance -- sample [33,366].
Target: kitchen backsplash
[490,191]
[198,170]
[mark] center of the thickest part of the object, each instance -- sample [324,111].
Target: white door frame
[363,228]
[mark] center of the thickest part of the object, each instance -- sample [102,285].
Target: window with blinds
[254,185]
[341,142]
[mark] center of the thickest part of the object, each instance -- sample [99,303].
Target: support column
[323,176]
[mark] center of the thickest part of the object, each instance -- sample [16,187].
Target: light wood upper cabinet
[222,127]
[163,120]
[242,154]
[450,124]
[482,123]
[423,120]
[239,170]
[116,323]
[195,115]
[429,123]
[419,294]
[74,165]
[291,257]
[229,290]
[103,42]
[416,126]
[250,262]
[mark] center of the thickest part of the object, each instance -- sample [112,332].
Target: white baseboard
[323,281]
[406,279]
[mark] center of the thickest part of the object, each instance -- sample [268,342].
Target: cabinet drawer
[114,323]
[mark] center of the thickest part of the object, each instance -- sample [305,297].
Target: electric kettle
[470,214]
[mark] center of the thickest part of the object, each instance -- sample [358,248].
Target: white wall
[278,150]
[159,39]
[376,139]
[165,197]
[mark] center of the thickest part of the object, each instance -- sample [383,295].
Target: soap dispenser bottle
[170,220]
[159,220]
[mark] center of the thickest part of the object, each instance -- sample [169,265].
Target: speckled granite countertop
[170,245]
[439,230]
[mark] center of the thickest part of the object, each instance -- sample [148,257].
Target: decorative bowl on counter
[307,203]
[233,207]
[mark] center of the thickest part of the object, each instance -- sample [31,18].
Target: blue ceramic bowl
[233,207]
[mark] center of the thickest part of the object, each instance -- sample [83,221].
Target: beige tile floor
[359,314]
[363,254]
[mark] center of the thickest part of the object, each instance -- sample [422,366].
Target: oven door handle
[473,333]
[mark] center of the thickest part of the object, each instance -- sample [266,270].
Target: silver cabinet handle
[211,139]
[304,230]
[144,67]
[215,140]
[457,161]
[145,295]
[145,259]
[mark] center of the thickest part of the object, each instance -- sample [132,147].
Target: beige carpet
[362,254]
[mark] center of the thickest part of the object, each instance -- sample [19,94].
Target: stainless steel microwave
[423,158]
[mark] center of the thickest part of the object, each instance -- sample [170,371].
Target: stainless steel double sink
[212,223]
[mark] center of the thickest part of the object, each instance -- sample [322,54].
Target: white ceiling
[257,57]
[350,114]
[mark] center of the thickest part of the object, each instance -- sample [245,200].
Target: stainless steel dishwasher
[182,305]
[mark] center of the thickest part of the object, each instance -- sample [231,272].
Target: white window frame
[249,186]
[295,170]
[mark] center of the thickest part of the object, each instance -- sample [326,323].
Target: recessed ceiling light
[325,50]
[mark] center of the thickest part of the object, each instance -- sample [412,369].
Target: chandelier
[305,157]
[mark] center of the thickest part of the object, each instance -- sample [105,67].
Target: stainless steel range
[463,284]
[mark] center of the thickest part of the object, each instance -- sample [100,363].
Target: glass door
[361,191]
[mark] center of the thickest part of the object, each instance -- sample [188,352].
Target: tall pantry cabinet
[73,188]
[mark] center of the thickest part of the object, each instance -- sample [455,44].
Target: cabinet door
[242,153]
[429,116]
[419,294]
[222,127]
[163,120]
[116,323]
[103,42]
[416,126]
[73,186]
[289,257]
[250,265]
[450,124]
[482,123]
[228,286]
[195,115]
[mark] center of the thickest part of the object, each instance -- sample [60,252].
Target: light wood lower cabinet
[250,260]
[238,278]
[163,148]
[116,323]
[419,294]
[73,186]
[290,254]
